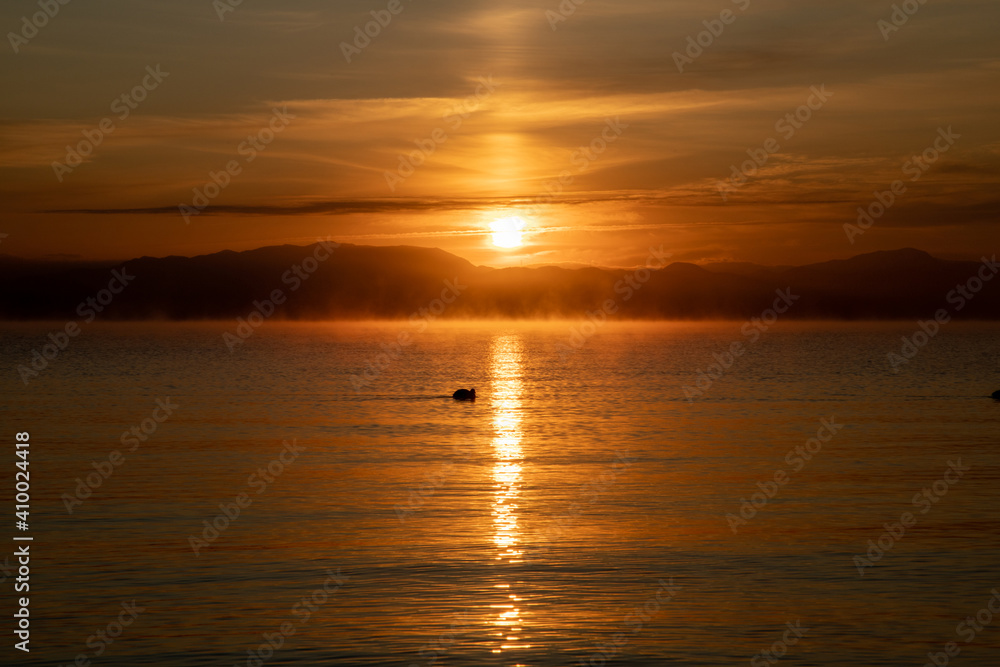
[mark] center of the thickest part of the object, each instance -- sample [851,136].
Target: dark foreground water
[576,512]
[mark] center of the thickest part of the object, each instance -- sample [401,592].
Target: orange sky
[500,100]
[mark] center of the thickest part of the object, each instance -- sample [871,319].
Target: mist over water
[576,512]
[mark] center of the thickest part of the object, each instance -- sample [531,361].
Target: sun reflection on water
[506,365]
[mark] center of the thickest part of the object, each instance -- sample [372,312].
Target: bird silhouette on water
[464,395]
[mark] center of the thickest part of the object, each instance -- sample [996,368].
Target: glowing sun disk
[507,232]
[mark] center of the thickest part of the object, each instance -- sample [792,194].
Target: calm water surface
[575,513]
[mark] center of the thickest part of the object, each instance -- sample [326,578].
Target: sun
[507,232]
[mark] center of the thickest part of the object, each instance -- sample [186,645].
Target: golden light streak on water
[506,366]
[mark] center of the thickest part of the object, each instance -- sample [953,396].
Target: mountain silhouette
[369,282]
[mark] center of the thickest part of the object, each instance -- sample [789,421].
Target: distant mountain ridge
[320,282]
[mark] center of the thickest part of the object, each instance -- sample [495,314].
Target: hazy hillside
[394,282]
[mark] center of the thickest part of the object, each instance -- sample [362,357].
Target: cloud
[556,88]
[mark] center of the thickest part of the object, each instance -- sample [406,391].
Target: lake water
[575,513]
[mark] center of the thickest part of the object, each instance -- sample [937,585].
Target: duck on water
[464,395]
